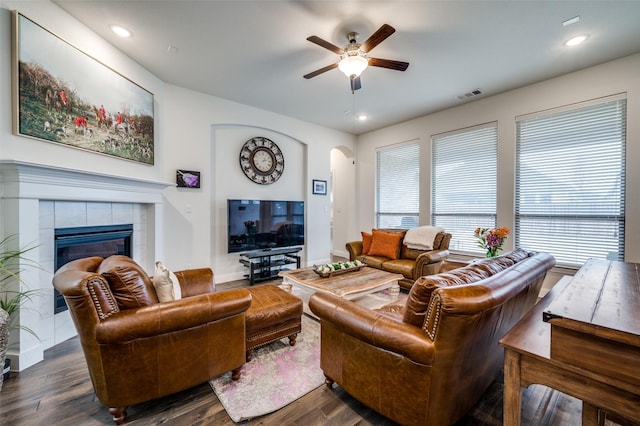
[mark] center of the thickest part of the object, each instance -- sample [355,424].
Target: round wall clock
[261,160]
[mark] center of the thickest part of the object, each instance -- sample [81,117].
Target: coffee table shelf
[265,265]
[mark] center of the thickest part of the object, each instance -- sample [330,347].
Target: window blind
[570,182]
[463,185]
[397,186]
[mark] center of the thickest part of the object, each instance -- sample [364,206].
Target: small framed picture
[320,187]
[187,179]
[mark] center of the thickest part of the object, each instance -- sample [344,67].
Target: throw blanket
[421,238]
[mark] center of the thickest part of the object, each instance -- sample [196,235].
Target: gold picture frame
[65,96]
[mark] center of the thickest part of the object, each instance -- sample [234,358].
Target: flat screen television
[264,224]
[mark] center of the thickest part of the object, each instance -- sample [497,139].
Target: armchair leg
[235,373]
[328,381]
[118,414]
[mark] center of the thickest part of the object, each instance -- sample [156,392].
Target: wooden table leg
[512,400]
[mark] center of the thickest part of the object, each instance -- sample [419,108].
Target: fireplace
[87,241]
[36,200]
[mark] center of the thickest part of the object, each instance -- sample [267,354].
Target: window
[398,186]
[570,181]
[463,186]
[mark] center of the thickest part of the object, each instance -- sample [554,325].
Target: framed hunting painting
[65,96]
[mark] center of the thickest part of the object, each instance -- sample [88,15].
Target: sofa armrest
[428,258]
[176,315]
[373,328]
[355,249]
[196,281]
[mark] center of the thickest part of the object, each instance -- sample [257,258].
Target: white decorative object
[331,269]
[421,238]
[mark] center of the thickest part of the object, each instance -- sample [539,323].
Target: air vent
[471,94]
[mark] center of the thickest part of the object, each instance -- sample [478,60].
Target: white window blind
[570,182]
[397,186]
[463,185]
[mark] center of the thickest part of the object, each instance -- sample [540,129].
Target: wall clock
[261,160]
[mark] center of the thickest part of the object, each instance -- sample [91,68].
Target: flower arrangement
[491,239]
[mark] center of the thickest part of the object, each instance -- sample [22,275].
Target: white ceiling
[256,52]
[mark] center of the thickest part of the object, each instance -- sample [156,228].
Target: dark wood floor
[58,391]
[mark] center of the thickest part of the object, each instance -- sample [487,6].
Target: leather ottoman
[274,313]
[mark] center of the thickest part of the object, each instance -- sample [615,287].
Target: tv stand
[265,264]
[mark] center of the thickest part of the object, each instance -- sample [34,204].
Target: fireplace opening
[88,241]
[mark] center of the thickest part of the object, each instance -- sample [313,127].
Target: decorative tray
[332,269]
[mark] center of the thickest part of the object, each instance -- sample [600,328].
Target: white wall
[343,187]
[610,78]
[206,133]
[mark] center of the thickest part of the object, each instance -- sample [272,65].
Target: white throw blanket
[421,238]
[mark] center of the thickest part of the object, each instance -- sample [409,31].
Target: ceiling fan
[353,57]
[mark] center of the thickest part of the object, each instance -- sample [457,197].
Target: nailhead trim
[274,339]
[436,305]
[91,286]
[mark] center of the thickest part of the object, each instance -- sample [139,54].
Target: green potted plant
[12,294]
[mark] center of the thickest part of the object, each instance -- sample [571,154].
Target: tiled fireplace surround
[36,200]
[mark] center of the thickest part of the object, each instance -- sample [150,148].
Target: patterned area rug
[277,375]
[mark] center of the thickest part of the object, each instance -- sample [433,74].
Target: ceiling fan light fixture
[353,65]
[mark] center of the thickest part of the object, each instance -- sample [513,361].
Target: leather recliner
[427,359]
[138,349]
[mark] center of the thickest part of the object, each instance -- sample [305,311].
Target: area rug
[277,375]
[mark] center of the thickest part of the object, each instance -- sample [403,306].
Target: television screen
[264,224]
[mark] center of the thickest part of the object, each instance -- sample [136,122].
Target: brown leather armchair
[412,264]
[138,349]
[426,360]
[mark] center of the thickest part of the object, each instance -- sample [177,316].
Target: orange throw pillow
[386,244]
[366,242]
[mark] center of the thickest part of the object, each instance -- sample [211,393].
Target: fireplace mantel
[37,198]
[30,180]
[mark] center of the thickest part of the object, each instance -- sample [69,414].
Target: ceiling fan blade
[355,83]
[323,43]
[320,71]
[377,37]
[388,63]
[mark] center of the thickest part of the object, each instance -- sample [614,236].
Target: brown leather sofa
[427,359]
[138,349]
[411,263]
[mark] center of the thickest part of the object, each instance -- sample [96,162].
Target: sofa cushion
[366,242]
[400,266]
[516,255]
[408,253]
[373,261]
[469,274]
[437,241]
[129,283]
[385,244]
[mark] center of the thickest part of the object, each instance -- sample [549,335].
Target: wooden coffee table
[350,285]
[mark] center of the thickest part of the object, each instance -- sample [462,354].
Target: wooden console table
[582,339]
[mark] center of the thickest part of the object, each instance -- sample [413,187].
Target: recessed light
[576,40]
[362,117]
[121,31]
